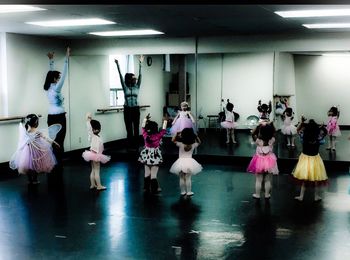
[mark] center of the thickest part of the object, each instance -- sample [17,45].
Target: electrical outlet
[79,140]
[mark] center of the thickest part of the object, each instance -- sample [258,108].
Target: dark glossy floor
[62,219]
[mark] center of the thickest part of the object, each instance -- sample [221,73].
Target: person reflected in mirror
[333,127]
[229,123]
[131,88]
[288,128]
[184,119]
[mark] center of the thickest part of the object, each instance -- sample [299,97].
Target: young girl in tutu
[288,129]
[185,166]
[34,152]
[264,162]
[264,110]
[95,153]
[229,122]
[310,170]
[183,119]
[333,127]
[151,155]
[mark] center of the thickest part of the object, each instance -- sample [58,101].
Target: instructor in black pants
[131,87]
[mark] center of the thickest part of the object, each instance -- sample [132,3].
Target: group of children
[34,152]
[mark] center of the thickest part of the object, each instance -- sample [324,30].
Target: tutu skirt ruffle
[151,156]
[38,158]
[186,165]
[289,130]
[180,124]
[310,169]
[263,163]
[228,124]
[96,157]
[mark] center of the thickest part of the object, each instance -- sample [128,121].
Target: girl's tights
[290,140]
[331,144]
[259,179]
[151,170]
[95,176]
[230,134]
[185,184]
[317,195]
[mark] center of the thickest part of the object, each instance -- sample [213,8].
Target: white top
[54,95]
[183,153]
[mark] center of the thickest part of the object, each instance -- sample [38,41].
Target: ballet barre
[13,118]
[116,109]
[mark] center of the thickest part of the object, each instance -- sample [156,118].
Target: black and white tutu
[151,156]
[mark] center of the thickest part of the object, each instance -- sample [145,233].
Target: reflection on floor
[62,219]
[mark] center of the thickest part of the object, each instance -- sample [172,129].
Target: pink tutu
[263,163]
[96,157]
[228,124]
[180,124]
[333,127]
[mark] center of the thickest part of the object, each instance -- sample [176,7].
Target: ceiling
[173,20]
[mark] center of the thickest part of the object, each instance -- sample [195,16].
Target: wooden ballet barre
[11,118]
[117,109]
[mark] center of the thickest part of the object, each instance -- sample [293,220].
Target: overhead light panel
[337,54]
[327,25]
[72,22]
[314,13]
[18,8]
[127,33]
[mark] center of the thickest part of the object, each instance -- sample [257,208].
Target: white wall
[322,82]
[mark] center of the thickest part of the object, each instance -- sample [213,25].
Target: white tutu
[186,165]
[288,128]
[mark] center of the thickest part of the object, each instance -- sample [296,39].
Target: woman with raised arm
[131,87]
[53,86]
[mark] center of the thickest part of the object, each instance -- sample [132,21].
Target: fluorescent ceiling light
[314,13]
[127,33]
[336,54]
[327,25]
[18,8]
[73,22]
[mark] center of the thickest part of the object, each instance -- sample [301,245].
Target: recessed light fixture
[18,8]
[127,33]
[314,13]
[327,25]
[72,22]
[337,54]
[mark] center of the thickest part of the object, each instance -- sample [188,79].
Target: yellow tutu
[310,169]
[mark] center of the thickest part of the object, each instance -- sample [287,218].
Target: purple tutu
[36,156]
[96,157]
[263,163]
[180,124]
[228,124]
